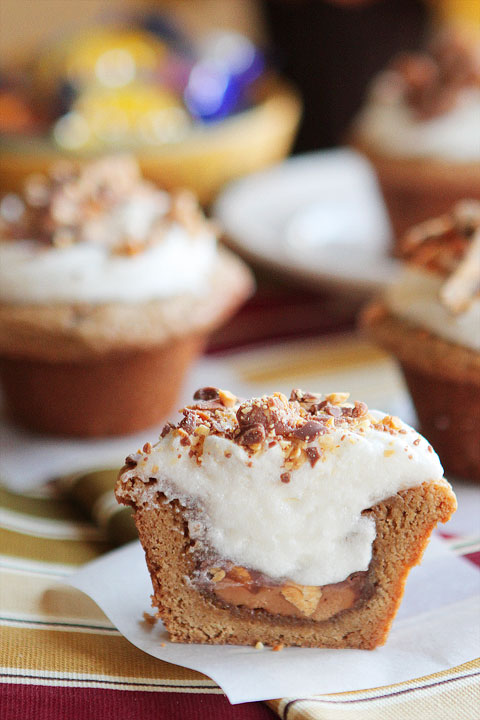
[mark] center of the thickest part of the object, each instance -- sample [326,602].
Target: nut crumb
[202,430]
[337,398]
[259,645]
[304,597]
[240,574]
[147,448]
[217,574]
[227,398]
[149,619]
[278,647]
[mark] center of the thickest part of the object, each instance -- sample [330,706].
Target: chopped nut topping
[202,430]
[240,574]
[130,461]
[259,645]
[388,423]
[304,597]
[450,246]
[217,574]
[227,398]
[166,429]
[337,398]
[302,427]
[432,82]
[79,202]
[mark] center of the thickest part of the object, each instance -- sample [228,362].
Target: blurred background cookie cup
[419,128]
[110,288]
[429,319]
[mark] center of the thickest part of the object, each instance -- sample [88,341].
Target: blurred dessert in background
[148,88]
[420,128]
[430,320]
[109,287]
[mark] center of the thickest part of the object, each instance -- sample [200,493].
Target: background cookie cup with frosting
[109,288]
[419,128]
[430,321]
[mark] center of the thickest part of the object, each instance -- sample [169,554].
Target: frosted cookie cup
[109,288]
[419,128]
[283,521]
[430,321]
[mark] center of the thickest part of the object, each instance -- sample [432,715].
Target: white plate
[318,217]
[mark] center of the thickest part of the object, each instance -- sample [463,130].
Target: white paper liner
[436,628]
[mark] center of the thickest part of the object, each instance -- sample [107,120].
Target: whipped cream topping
[279,485]
[415,297]
[427,104]
[102,234]
[388,125]
[90,273]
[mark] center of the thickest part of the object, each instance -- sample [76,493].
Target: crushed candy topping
[106,201]
[301,425]
[450,246]
[432,81]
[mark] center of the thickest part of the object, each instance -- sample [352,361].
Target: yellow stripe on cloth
[307,357]
[452,694]
[75,552]
[92,657]
[344,363]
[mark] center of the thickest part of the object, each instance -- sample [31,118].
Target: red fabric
[474,558]
[38,702]
[283,312]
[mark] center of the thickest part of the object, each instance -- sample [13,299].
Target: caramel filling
[241,588]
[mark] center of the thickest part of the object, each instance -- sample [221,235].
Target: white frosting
[310,530]
[388,125]
[415,297]
[89,272]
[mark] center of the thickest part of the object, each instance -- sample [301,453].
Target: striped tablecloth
[60,656]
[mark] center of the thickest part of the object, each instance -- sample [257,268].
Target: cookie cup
[91,370]
[444,383]
[404,523]
[416,189]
